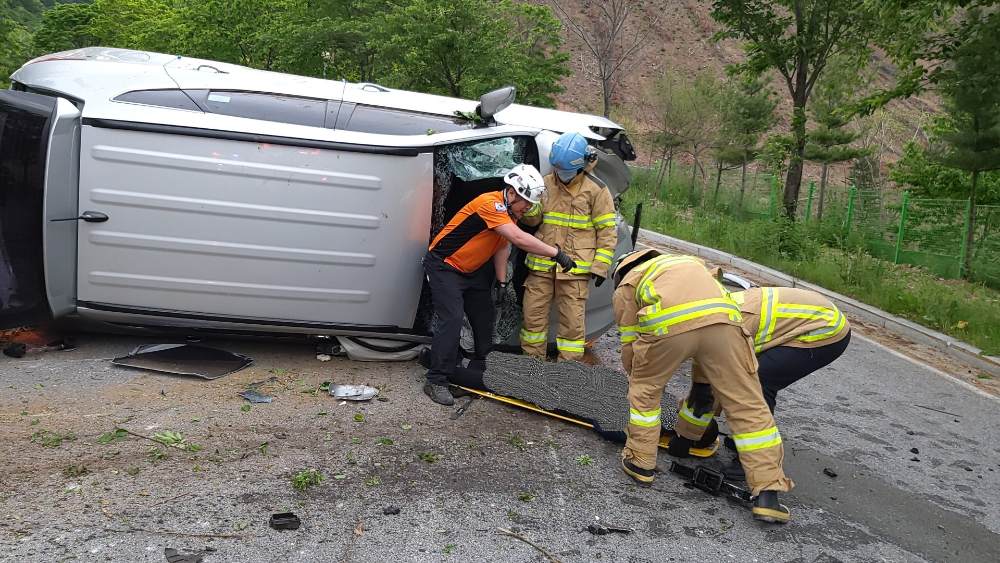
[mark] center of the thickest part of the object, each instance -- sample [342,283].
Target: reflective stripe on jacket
[790,317]
[669,295]
[580,218]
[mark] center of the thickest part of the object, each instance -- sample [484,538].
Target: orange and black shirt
[468,240]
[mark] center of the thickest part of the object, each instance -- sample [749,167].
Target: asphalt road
[860,417]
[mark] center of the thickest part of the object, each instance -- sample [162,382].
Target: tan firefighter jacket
[787,316]
[580,218]
[669,295]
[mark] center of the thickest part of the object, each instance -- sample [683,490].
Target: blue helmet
[570,153]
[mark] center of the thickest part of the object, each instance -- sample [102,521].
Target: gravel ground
[457,482]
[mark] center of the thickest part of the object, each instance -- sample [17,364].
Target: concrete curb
[959,350]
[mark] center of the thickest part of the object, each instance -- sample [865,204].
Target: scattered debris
[64,344]
[353,392]
[938,410]
[255,396]
[257,384]
[910,432]
[390,510]
[531,543]
[281,436]
[284,521]
[605,529]
[15,349]
[184,359]
[324,357]
[914,459]
[173,556]
[914,451]
[830,472]
[358,530]
[463,408]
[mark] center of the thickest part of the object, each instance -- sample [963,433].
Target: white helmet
[527,182]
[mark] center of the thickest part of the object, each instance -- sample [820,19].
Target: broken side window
[485,159]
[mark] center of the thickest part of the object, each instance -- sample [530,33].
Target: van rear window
[385,121]
[162,98]
[268,107]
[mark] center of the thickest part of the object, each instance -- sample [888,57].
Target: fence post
[850,212]
[965,240]
[902,225]
[809,201]
[770,205]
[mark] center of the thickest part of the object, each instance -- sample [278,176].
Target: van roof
[192,73]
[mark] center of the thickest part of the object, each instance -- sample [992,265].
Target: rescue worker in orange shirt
[579,216]
[463,261]
[670,309]
[795,332]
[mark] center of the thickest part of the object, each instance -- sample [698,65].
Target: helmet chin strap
[508,203]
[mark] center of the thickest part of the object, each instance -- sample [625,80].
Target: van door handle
[88,216]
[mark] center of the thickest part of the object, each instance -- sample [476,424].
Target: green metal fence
[893,226]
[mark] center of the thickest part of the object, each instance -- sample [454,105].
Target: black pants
[455,293]
[783,365]
[779,367]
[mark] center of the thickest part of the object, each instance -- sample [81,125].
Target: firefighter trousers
[570,296]
[726,357]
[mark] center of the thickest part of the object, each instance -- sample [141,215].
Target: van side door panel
[252,230]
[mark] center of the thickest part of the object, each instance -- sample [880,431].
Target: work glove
[499,293]
[563,260]
[700,400]
[600,279]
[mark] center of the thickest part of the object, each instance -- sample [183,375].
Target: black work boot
[643,477]
[680,446]
[709,437]
[767,508]
[424,357]
[439,394]
[734,470]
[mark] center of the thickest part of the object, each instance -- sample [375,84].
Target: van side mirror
[492,103]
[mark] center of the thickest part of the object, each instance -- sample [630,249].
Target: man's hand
[500,293]
[600,279]
[563,260]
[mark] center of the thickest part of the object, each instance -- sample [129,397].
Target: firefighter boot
[642,477]
[767,508]
[680,446]
[734,470]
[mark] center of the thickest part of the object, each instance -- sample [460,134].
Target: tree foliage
[461,48]
[797,38]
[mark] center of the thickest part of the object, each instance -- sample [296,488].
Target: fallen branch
[137,435]
[531,543]
[939,410]
[170,499]
[192,534]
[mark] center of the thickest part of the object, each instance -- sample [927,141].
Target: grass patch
[967,311]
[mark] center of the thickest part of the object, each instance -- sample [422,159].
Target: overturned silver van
[147,191]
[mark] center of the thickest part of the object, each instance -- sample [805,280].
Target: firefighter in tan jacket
[795,332]
[670,309]
[579,218]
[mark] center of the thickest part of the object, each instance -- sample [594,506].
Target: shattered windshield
[488,159]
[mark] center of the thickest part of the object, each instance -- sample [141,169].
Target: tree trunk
[970,234]
[607,80]
[822,187]
[798,90]
[743,180]
[718,182]
[694,176]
